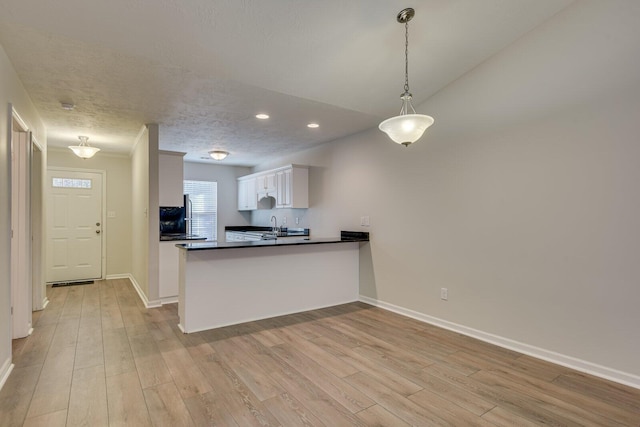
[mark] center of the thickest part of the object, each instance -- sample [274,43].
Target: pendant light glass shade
[408,127]
[84,150]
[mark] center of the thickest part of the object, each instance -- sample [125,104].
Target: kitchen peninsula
[225,283]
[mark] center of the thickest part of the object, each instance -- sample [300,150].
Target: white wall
[140,212]
[119,199]
[11,91]
[145,227]
[154,213]
[522,199]
[225,176]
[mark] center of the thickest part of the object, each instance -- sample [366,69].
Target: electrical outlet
[297,221]
[444,294]
[364,221]
[284,220]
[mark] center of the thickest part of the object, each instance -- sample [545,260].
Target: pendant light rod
[404,17]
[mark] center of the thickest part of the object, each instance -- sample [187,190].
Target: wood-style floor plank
[185,373]
[126,403]
[150,365]
[385,375]
[625,398]
[16,394]
[518,403]
[394,402]
[36,346]
[88,400]
[52,419]
[209,410]
[118,358]
[247,369]
[377,416]
[503,418]
[98,357]
[51,393]
[166,406]
[458,395]
[340,390]
[290,412]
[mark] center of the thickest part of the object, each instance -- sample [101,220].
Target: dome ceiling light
[218,154]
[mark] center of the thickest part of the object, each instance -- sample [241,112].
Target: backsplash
[262,217]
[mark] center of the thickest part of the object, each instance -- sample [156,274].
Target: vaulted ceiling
[202,69]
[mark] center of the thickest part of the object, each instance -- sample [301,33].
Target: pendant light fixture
[218,154]
[84,150]
[407,127]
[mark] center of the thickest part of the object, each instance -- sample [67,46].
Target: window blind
[204,207]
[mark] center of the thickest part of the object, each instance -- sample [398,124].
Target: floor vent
[88,282]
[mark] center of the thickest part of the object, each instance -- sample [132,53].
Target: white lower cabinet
[168,268]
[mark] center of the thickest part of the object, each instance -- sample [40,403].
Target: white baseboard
[169,300]
[118,276]
[136,286]
[5,371]
[540,353]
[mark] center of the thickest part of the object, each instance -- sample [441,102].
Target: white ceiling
[202,69]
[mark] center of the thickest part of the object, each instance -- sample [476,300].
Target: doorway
[75,242]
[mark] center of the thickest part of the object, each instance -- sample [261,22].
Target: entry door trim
[103,214]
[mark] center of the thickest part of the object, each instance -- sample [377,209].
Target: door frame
[21,245]
[38,176]
[103,213]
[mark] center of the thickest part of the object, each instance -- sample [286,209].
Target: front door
[74,226]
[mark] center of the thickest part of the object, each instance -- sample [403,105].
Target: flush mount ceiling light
[313,125]
[218,154]
[84,150]
[407,127]
[262,116]
[68,106]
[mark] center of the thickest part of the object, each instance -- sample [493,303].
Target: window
[71,183]
[204,208]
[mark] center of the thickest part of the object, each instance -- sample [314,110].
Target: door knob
[97,224]
[97,231]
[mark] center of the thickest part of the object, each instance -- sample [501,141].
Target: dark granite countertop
[180,236]
[346,238]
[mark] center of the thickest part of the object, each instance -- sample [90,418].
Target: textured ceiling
[202,69]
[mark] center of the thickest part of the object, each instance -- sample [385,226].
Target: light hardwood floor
[98,357]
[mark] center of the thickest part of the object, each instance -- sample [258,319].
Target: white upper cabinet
[292,185]
[170,178]
[247,195]
[266,185]
[289,185]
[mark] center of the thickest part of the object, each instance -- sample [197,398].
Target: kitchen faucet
[275,224]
